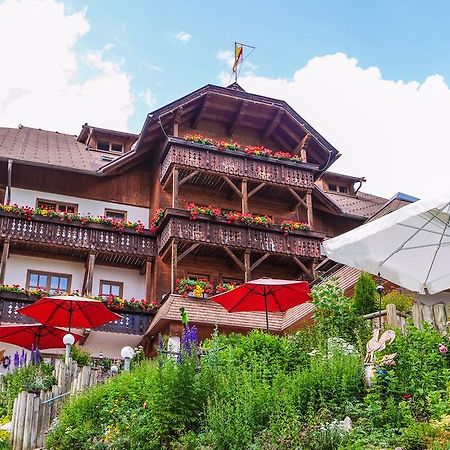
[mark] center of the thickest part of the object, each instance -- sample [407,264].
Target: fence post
[440,317]
[417,315]
[427,312]
[391,316]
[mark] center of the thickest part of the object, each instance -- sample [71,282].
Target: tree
[365,295]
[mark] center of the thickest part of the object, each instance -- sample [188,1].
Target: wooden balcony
[51,232]
[177,225]
[135,322]
[235,164]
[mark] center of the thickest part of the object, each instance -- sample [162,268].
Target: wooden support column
[176,120]
[309,209]
[247,266]
[175,175]
[5,254]
[89,274]
[173,271]
[244,190]
[148,279]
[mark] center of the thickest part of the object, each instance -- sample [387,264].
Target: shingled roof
[41,147]
[363,204]
[207,312]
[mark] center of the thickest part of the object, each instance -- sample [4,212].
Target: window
[107,146]
[103,145]
[111,288]
[197,276]
[48,281]
[116,214]
[332,187]
[232,280]
[343,189]
[57,206]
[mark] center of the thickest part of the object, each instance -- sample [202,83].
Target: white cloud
[38,81]
[394,133]
[183,37]
[148,97]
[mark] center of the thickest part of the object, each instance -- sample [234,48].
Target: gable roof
[362,204]
[50,148]
[208,312]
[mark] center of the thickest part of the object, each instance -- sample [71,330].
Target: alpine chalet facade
[220,187]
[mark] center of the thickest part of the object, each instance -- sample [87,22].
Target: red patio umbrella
[34,336]
[70,311]
[265,294]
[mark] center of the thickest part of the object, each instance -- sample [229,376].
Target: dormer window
[343,189]
[332,187]
[107,146]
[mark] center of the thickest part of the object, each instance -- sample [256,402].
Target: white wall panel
[86,206]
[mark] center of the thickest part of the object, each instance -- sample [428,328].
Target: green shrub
[4,440]
[402,301]
[81,356]
[31,378]
[365,294]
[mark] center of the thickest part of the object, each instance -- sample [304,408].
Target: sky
[372,77]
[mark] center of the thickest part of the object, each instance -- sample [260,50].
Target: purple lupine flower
[23,359]
[160,343]
[16,360]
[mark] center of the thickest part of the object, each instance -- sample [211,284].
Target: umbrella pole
[266,307]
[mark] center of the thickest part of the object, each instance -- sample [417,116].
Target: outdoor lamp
[127,354]
[68,340]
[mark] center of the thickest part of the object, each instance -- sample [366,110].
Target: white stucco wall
[441,297]
[133,282]
[18,265]
[86,206]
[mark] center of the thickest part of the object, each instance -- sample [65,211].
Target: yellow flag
[238,53]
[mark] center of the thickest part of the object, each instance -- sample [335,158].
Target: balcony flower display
[195,210]
[155,221]
[289,225]
[111,301]
[225,287]
[199,288]
[249,219]
[29,213]
[259,151]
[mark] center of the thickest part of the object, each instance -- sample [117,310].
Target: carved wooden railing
[135,322]
[177,224]
[88,236]
[237,164]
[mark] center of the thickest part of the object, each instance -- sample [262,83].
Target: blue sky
[371,76]
[407,40]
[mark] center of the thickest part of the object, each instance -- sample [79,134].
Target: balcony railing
[97,237]
[237,164]
[135,322]
[177,224]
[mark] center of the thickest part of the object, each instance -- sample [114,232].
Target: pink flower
[407,397]
[443,349]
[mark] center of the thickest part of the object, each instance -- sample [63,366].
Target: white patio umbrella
[410,246]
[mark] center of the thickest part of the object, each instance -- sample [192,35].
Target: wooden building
[252,157]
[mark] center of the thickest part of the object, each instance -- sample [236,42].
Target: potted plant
[198,288]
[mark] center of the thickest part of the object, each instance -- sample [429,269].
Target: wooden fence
[33,413]
[438,316]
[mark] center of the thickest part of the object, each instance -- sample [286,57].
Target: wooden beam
[234,258]
[238,116]
[256,189]
[201,112]
[259,261]
[302,266]
[297,197]
[148,279]
[282,142]
[89,274]
[309,208]
[173,266]
[232,186]
[176,120]
[188,177]
[273,125]
[247,266]
[302,147]
[186,252]
[5,254]
[175,175]
[244,196]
